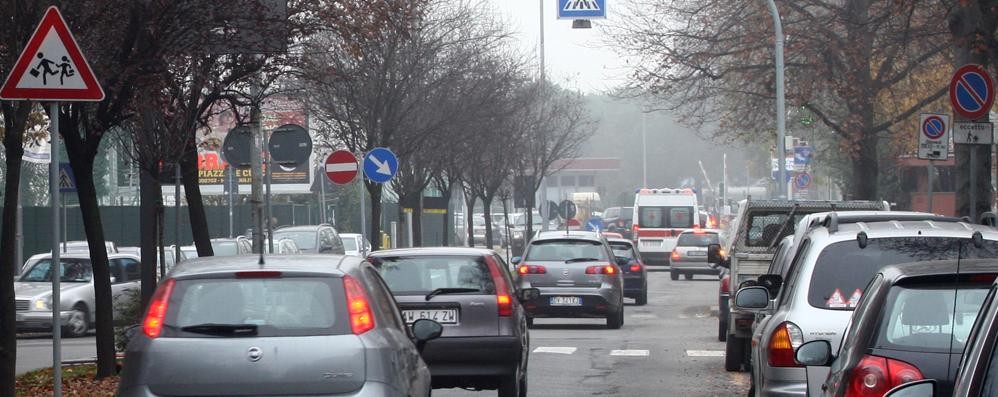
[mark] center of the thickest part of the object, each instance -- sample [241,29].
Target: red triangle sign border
[52,20]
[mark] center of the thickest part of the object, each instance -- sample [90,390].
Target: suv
[751,246]
[576,274]
[470,291]
[835,257]
[619,220]
[239,245]
[313,239]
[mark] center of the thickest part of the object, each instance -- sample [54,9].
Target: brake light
[504,302]
[258,274]
[711,222]
[786,338]
[675,255]
[602,269]
[636,267]
[726,284]
[531,269]
[875,375]
[152,326]
[635,228]
[359,307]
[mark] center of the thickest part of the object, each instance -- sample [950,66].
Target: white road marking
[643,315]
[705,353]
[555,350]
[630,353]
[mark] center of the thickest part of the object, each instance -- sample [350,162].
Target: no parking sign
[971,91]
[933,136]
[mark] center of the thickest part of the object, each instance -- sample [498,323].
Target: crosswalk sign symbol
[581,9]
[67,182]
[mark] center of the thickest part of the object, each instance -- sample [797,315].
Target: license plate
[566,301]
[651,243]
[697,253]
[442,316]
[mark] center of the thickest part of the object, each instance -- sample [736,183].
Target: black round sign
[290,144]
[237,146]
[567,209]
[552,210]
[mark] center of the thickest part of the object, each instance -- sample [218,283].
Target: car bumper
[653,258]
[37,320]
[479,356]
[594,303]
[370,389]
[783,388]
[634,284]
[694,268]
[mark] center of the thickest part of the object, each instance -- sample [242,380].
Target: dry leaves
[77,380]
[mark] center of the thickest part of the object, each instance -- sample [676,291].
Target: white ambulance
[660,215]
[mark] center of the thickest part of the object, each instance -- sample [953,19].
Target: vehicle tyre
[673,274]
[722,331]
[77,325]
[511,385]
[523,386]
[689,276]
[642,299]
[615,320]
[530,322]
[734,353]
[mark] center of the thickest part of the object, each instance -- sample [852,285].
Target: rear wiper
[441,291]
[222,329]
[573,260]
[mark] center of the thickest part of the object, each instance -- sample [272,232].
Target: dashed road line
[705,353]
[555,350]
[630,353]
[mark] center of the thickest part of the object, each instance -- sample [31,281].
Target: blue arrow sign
[581,9]
[380,165]
[67,182]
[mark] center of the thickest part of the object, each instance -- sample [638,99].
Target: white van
[660,215]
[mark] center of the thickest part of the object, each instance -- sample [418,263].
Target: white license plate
[566,301]
[651,243]
[697,253]
[442,316]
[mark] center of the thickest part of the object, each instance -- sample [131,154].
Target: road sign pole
[269,214]
[256,179]
[176,219]
[363,211]
[781,113]
[56,265]
[230,179]
[973,183]
[932,171]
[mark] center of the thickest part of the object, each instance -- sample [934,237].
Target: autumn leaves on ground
[77,380]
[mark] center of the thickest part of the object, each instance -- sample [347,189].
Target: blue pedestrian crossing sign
[380,165]
[67,182]
[581,9]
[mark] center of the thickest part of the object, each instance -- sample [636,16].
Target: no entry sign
[971,92]
[341,167]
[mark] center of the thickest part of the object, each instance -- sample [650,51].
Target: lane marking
[705,353]
[630,353]
[643,316]
[555,350]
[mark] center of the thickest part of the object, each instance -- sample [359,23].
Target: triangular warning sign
[837,300]
[581,5]
[51,66]
[65,180]
[854,299]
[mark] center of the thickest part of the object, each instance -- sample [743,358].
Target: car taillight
[152,326]
[675,255]
[359,307]
[635,228]
[531,269]
[875,375]
[726,284]
[636,267]
[504,302]
[602,269]
[786,338]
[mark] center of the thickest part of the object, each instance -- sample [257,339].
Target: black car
[631,267]
[912,323]
[619,220]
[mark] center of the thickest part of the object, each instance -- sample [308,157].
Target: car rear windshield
[843,269]
[563,250]
[419,275]
[623,250]
[697,239]
[292,306]
[225,248]
[665,217]
[930,318]
[304,239]
[71,271]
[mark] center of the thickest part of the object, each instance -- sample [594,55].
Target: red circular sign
[971,91]
[341,167]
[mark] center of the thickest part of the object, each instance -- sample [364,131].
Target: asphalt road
[666,348]
[35,351]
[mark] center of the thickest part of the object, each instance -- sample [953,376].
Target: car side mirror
[426,330]
[918,388]
[714,253]
[815,353]
[516,260]
[527,294]
[752,298]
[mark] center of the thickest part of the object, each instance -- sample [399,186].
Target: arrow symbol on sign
[383,167]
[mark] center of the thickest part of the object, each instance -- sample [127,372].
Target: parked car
[498,228]
[168,251]
[689,257]
[313,239]
[485,344]
[84,246]
[355,244]
[189,251]
[577,277]
[619,220]
[77,309]
[297,325]
[911,324]
[239,245]
[284,246]
[633,270]
[837,255]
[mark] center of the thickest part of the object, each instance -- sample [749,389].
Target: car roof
[354,235]
[908,271]
[433,251]
[84,255]
[299,228]
[561,235]
[701,231]
[335,265]
[619,241]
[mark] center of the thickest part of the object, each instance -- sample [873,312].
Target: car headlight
[44,303]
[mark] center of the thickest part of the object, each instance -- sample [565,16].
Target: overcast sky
[575,58]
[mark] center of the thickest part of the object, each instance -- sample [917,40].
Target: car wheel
[673,274]
[510,385]
[615,320]
[722,331]
[734,353]
[77,325]
[523,386]
[642,299]
[689,276]
[530,322]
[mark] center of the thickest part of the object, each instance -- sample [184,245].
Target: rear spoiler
[834,219]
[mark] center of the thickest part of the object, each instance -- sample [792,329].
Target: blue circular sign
[933,127]
[380,165]
[803,180]
[971,92]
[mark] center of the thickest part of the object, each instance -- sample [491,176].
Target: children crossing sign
[581,9]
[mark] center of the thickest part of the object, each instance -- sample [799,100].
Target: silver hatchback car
[298,325]
[577,276]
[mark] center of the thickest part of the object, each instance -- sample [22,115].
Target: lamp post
[781,113]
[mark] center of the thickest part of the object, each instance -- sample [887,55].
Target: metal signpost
[52,68]
[972,93]
[933,144]
[380,166]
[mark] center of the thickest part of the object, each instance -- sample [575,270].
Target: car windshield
[276,306]
[665,217]
[562,250]
[225,248]
[71,271]
[843,269]
[931,317]
[419,275]
[350,244]
[697,239]
[623,250]
[304,239]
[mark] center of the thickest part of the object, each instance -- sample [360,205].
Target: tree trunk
[487,212]
[447,195]
[149,193]
[195,203]
[865,169]
[8,242]
[417,223]
[469,218]
[374,190]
